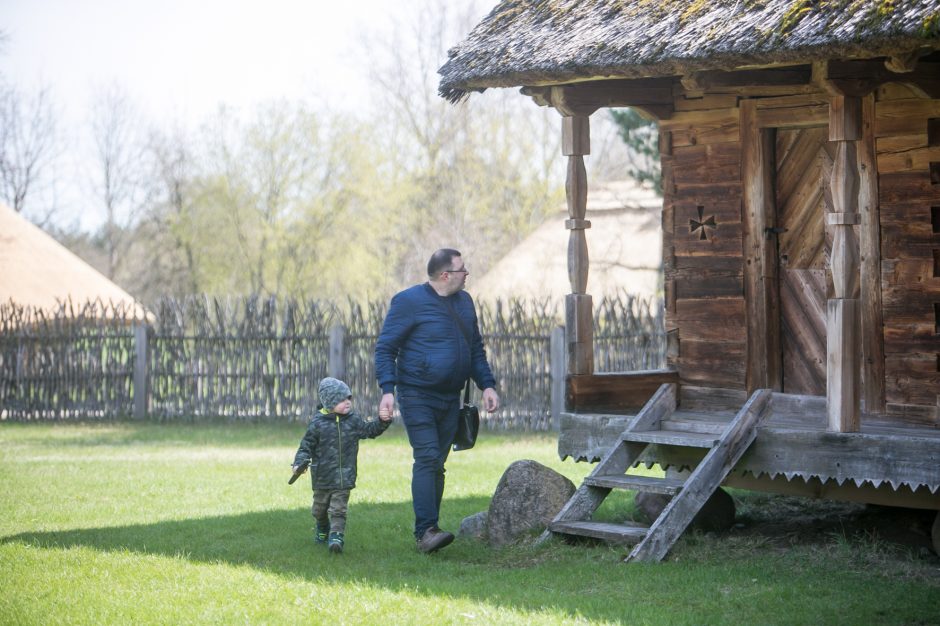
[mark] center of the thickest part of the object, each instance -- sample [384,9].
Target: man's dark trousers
[431,421]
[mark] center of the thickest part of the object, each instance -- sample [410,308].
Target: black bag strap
[453,313]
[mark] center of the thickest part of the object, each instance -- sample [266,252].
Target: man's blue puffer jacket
[421,345]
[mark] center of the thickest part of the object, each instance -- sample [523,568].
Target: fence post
[558,360]
[141,378]
[336,364]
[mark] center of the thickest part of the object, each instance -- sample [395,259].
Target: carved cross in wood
[701,224]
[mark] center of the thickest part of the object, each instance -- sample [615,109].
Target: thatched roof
[537,42]
[37,271]
[625,243]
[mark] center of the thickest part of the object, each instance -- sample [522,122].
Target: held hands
[387,403]
[386,406]
[490,400]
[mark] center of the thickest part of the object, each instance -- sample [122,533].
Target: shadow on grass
[380,550]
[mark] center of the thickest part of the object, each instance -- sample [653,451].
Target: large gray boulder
[528,497]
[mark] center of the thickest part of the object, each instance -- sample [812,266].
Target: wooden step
[672,438]
[616,533]
[694,426]
[648,484]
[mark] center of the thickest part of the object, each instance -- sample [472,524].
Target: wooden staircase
[725,447]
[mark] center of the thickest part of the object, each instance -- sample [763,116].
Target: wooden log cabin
[800,149]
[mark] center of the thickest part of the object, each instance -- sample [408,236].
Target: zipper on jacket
[339,436]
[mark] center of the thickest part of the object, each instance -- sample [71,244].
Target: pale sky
[178,60]
[184,57]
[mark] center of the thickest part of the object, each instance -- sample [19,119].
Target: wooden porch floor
[887,462]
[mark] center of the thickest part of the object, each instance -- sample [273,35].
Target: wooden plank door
[803,165]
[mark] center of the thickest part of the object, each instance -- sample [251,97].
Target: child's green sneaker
[321,533]
[336,543]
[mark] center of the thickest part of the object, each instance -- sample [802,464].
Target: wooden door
[803,167]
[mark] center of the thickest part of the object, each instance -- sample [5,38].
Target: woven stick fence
[257,359]
[250,359]
[73,362]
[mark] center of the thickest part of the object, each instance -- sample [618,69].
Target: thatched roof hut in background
[626,240]
[38,272]
[800,150]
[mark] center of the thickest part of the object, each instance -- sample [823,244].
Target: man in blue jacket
[429,346]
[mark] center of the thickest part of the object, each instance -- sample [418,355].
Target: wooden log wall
[702,241]
[907,135]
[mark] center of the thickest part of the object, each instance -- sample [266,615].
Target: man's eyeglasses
[463,270]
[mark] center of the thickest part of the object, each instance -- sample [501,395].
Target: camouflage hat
[332,391]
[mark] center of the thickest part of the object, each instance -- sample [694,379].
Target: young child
[331,445]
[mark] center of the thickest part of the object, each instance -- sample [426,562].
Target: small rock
[474,526]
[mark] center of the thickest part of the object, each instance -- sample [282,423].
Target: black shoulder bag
[468,423]
[468,418]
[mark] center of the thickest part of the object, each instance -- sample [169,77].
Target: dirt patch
[785,521]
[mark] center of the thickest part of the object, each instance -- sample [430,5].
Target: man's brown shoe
[434,539]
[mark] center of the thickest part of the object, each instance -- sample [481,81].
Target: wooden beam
[843,368]
[614,393]
[877,459]
[575,136]
[579,324]
[576,142]
[843,340]
[844,215]
[872,321]
[845,118]
[653,96]
[832,490]
[766,81]
[859,78]
[764,366]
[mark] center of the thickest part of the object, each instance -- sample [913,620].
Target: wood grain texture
[803,331]
[763,365]
[843,366]
[609,393]
[704,480]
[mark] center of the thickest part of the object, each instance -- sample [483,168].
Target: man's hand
[387,405]
[385,415]
[490,400]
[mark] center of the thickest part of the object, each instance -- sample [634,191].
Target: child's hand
[385,415]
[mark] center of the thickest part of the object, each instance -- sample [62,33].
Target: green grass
[184,524]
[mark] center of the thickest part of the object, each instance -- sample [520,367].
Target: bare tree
[28,144]
[483,174]
[274,185]
[117,178]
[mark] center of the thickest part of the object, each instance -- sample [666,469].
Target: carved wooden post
[842,326]
[575,143]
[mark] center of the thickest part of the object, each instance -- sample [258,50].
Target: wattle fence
[258,359]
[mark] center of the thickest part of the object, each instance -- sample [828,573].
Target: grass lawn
[141,524]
